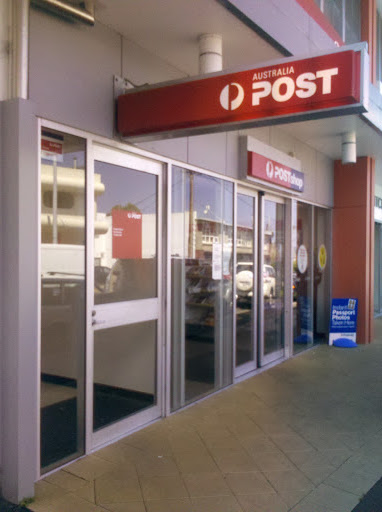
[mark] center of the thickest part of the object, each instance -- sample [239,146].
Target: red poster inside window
[127,234]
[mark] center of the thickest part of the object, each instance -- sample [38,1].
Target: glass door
[302,261]
[272,279]
[246,282]
[126,313]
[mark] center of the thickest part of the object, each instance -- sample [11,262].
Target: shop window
[62,297]
[202,295]
[345,17]
[379,50]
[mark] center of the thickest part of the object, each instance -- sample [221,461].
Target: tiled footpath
[305,436]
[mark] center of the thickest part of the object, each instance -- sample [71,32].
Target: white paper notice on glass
[216,261]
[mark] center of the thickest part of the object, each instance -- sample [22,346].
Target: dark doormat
[59,422]
[5,506]
[372,501]
[58,431]
[112,404]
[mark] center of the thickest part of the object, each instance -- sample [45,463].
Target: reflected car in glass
[244,281]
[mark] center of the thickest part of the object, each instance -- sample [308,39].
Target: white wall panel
[141,67]
[71,72]
[172,148]
[208,151]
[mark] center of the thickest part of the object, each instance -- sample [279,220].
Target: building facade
[144,270]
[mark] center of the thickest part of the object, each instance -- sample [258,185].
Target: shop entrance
[101,295]
[126,317]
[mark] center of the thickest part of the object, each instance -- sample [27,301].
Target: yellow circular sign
[322,257]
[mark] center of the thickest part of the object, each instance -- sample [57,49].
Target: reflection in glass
[62,297]
[125,240]
[201,267]
[244,279]
[273,276]
[302,276]
[121,388]
[321,289]
[377,267]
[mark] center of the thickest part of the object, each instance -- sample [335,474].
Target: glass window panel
[302,277]
[245,282]
[201,265]
[352,21]
[62,297]
[124,371]
[125,241]
[333,10]
[273,276]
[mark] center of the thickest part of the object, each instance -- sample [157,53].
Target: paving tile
[248,483]
[66,480]
[291,443]
[258,444]
[120,453]
[292,498]
[180,505]
[163,487]
[67,503]
[194,462]
[317,474]
[268,461]
[289,480]
[132,506]
[117,487]
[45,494]
[90,467]
[216,504]
[153,465]
[86,493]
[330,498]
[347,479]
[262,502]
[234,461]
[320,458]
[206,484]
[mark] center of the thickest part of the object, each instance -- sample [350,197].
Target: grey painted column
[19,289]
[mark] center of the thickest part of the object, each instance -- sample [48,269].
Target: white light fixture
[349,148]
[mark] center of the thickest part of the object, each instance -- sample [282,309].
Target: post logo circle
[232,90]
[269,169]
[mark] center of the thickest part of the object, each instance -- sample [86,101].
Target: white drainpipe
[210,53]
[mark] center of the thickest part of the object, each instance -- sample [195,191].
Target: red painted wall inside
[353,240]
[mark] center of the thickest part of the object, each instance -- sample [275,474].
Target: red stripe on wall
[319,17]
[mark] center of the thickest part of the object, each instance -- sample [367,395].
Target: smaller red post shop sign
[269,170]
[298,87]
[126,234]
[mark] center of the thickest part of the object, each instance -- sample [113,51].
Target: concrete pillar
[210,53]
[19,335]
[353,240]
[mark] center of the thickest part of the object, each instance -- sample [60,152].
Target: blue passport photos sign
[343,319]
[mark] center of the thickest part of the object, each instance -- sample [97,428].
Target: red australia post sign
[126,234]
[266,169]
[306,88]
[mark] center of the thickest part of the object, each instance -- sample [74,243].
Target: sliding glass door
[272,295]
[246,282]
